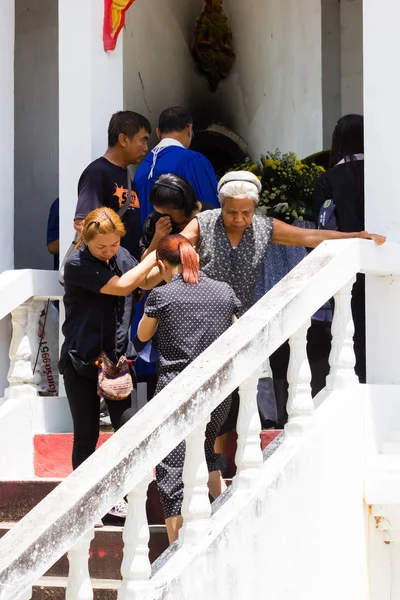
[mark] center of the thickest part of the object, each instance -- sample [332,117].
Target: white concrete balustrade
[136,568]
[79,586]
[342,359]
[196,509]
[181,412]
[300,406]
[248,457]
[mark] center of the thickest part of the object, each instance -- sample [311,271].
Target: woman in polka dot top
[189,313]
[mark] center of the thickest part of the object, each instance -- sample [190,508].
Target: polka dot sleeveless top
[240,266]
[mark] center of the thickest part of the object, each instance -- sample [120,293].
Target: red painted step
[53,451]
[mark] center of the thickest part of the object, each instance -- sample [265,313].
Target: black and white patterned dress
[190,318]
[240,266]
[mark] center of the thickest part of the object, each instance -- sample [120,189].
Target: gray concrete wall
[36,128]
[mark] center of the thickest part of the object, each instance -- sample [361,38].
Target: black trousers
[84,404]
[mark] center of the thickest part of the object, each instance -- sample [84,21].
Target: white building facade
[300,64]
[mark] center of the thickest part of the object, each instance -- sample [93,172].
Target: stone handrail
[16,287]
[64,520]
[22,293]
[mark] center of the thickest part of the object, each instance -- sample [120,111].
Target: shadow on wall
[222,146]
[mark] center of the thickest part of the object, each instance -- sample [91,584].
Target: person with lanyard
[339,205]
[232,241]
[188,314]
[173,155]
[175,203]
[100,277]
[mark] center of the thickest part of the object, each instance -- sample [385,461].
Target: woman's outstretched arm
[288,235]
[132,279]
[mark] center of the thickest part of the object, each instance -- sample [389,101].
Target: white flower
[281,207]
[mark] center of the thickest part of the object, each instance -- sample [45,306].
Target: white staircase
[296,522]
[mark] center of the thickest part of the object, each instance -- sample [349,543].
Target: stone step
[106,551]
[52,451]
[53,588]
[17,498]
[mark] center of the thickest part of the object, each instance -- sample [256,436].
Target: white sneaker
[119,510]
[105,418]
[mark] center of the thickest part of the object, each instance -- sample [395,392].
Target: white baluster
[300,405]
[248,456]
[136,568]
[20,375]
[79,586]
[36,308]
[196,508]
[342,359]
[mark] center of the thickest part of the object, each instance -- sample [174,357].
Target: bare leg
[173,525]
[216,485]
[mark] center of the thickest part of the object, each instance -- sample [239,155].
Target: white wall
[382,210]
[272,98]
[16,436]
[7,167]
[299,534]
[342,61]
[36,129]
[331,68]
[351,17]
[7,134]
[90,91]
[158,68]
[275,92]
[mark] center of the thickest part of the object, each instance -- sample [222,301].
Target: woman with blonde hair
[100,277]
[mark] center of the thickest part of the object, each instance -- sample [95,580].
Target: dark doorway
[223,148]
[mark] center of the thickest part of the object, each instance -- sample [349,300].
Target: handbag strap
[127,202]
[102,330]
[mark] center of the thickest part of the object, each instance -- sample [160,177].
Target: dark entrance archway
[222,146]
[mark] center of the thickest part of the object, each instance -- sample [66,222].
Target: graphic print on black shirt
[104,184]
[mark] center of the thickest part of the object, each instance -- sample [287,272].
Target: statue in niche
[212,47]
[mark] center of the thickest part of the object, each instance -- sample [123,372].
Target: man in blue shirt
[53,232]
[172,155]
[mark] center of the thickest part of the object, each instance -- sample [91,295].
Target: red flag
[114,20]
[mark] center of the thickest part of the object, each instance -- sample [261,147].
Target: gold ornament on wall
[212,46]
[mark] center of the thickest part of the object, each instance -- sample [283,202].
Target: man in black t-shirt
[105,181]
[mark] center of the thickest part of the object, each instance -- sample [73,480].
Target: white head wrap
[239,185]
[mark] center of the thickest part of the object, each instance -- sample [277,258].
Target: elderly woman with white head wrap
[232,241]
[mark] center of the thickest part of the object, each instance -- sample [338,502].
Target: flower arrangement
[287,185]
